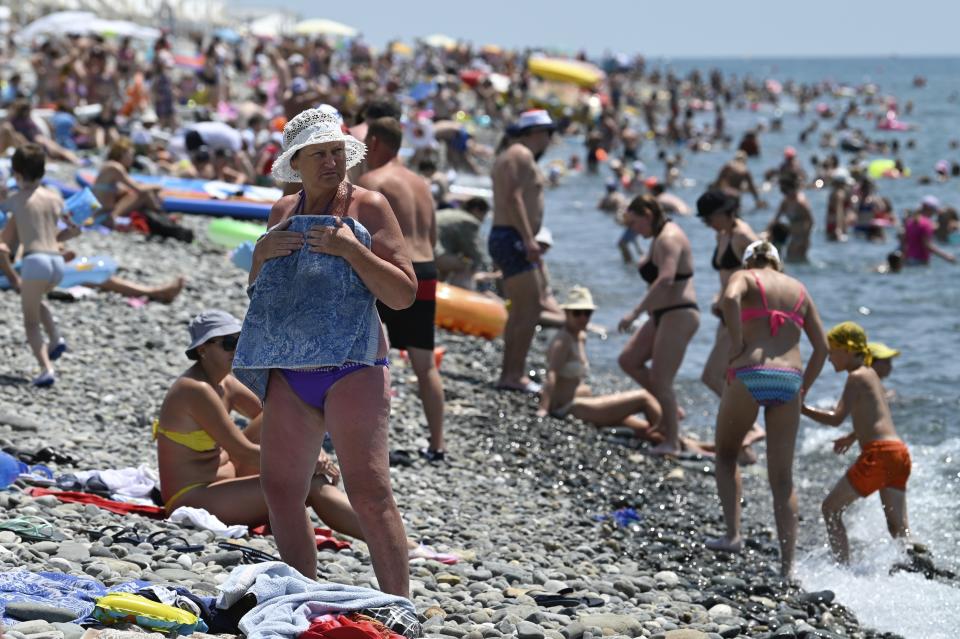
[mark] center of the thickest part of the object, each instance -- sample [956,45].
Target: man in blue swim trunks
[518,215]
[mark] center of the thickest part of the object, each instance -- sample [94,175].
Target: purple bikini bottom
[312,386]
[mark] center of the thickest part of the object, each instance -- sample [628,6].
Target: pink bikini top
[777,318]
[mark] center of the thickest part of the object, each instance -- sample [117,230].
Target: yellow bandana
[852,337]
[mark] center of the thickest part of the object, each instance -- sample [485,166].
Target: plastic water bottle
[9,469]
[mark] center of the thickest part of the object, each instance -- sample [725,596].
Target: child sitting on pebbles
[35,211]
[884,461]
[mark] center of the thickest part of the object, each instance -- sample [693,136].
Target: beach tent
[440,41]
[321,26]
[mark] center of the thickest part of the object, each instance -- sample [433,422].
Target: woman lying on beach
[120,194]
[565,393]
[765,313]
[205,460]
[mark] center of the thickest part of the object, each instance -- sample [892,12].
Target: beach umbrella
[227,35]
[440,41]
[58,23]
[122,29]
[322,26]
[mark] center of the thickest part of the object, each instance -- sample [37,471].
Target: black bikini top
[728,261]
[650,271]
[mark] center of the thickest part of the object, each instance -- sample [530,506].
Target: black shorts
[414,327]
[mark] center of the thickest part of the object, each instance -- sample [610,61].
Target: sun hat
[209,324]
[930,202]
[579,299]
[314,126]
[533,119]
[764,248]
[879,350]
[544,236]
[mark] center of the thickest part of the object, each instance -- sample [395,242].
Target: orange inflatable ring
[469,312]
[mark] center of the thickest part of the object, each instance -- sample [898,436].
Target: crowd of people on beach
[363,144]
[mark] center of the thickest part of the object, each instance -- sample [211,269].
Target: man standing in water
[517,217]
[412,328]
[734,178]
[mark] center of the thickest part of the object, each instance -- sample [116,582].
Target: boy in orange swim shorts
[884,461]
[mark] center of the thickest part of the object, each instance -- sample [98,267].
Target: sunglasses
[227,342]
[581,312]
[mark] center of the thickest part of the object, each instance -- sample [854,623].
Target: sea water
[917,311]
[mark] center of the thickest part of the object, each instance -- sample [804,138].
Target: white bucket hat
[314,126]
[764,248]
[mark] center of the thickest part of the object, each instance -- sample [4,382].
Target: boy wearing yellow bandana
[884,461]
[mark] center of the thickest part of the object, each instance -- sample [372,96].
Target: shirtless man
[799,218]
[734,178]
[517,217]
[35,211]
[412,328]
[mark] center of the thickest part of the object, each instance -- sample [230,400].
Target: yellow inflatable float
[582,74]
[469,312]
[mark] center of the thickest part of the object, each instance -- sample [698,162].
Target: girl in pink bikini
[765,312]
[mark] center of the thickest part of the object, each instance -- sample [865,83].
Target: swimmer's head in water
[789,183]
[849,337]
[762,254]
[895,261]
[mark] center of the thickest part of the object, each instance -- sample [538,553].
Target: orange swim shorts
[882,464]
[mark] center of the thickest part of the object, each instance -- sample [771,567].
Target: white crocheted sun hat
[314,126]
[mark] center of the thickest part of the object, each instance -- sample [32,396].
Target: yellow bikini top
[197,440]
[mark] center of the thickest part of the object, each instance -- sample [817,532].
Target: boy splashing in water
[35,211]
[884,461]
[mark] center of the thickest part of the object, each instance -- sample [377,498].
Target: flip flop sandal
[167,539]
[33,529]
[48,454]
[403,458]
[250,555]
[119,533]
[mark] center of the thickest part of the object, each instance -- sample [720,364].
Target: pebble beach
[524,502]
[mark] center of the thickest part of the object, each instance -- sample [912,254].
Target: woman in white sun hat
[312,347]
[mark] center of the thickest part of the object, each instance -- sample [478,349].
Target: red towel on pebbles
[119,507]
[341,627]
[324,537]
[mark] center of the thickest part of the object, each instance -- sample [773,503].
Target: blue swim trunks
[507,251]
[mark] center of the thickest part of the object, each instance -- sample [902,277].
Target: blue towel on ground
[77,594]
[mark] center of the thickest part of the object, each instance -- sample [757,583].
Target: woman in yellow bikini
[205,460]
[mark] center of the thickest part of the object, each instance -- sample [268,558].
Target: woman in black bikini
[668,271]
[718,210]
